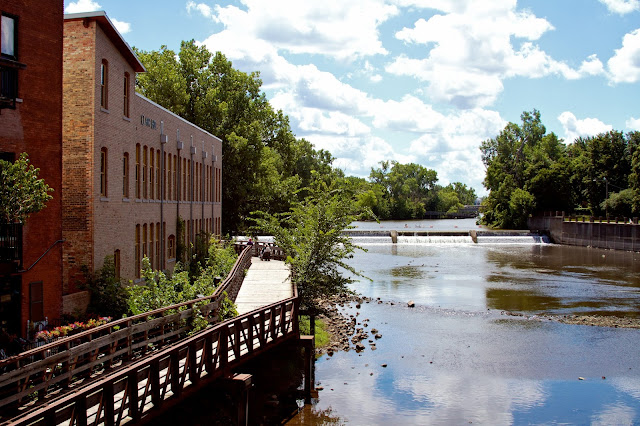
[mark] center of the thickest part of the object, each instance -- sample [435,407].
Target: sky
[414,81]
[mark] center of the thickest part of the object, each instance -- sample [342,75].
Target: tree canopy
[265,165]
[310,233]
[529,170]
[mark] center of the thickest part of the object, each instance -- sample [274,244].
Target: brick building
[131,168]
[30,121]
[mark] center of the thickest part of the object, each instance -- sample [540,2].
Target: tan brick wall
[108,223]
[78,125]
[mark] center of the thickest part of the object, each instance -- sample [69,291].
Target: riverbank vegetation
[530,170]
[111,296]
[310,234]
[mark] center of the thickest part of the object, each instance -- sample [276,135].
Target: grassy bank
[322,336]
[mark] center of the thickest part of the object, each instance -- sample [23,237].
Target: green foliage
[311,236]
[408,190]
[227,308]
[160,290]
[322,335]
[529,170]
[621,204]
[525,168]
[108,295]
[181,250]
[21,192]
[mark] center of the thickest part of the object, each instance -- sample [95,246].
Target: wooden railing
[147,386]
[36,373]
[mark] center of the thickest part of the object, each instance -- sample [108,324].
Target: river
[460,356]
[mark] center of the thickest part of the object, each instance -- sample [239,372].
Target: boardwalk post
[308,343]
[239,386]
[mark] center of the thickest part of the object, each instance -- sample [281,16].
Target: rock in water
[411,304]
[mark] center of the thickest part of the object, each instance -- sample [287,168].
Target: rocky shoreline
[351,332]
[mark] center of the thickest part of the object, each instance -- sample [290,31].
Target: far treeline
[530,171]
[266,168]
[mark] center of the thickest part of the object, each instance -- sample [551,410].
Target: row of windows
[150,239]
[104,88]
[181,180]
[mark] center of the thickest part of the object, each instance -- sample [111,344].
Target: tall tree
[524,171]
[410,189]
[310,233]
[264,164]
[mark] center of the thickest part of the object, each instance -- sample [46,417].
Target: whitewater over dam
[366,237]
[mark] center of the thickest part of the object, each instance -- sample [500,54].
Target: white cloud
[122,27]
[621,7]
[592,66]
[470,50]
[91,6]
[82,6]
[204,9]
[624,66]
[574,128]
[343,30]
[633,123]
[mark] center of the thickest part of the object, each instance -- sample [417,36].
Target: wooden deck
[266,282]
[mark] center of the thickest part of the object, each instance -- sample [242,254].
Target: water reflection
[456,358]
[435,367]
[521,300]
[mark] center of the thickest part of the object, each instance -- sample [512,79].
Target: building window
[158,182]
[9,50]
[138,171]
[145,164]
[164,245]
[137,251]
[175,178]
[104,84]
[36,302]
[125,110]
[151,166]
[8,41]
[145,253]
[184,179]
[103,172]
[125,175]
[171,249]
[151,245]
[158,253]
[169,179]
[116,264]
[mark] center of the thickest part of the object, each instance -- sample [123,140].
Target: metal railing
[11,242]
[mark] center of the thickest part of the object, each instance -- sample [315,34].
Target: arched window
[137,170]
[103,172]
[116,263]
[125,175]
[125,110]
[137,252]
[171,247]
[104,84]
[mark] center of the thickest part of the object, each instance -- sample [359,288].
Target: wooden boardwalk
[266,282]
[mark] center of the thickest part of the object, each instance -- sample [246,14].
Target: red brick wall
[35,127]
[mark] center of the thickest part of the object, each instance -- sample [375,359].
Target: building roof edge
[177,116]
[114,35]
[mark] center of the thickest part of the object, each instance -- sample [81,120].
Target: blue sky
[422,81]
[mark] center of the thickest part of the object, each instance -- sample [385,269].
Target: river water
[460,357]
